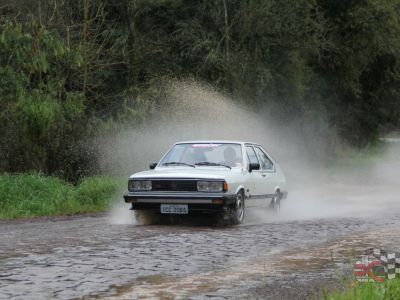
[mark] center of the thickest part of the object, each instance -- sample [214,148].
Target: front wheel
[237,215]
[144,217]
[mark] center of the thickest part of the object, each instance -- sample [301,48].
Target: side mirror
[254,166]
[153,166]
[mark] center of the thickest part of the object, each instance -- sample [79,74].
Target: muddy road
[88,257]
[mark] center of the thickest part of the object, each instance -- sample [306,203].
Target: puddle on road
[333,255]
[70,260]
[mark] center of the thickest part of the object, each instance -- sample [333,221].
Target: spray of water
[188,110]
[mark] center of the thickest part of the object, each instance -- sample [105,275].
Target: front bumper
[197,202]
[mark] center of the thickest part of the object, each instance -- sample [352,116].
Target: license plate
[174,209]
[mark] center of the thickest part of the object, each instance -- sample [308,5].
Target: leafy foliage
[71,69]
[39,114]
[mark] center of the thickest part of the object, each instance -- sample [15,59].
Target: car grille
[174,185]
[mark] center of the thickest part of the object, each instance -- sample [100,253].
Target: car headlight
[210,186]
[139,185]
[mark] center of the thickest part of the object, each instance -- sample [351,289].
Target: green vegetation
[33,195]
[74,70]
[390,290]
[368,156]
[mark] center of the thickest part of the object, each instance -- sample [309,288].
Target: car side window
[266,163]
[251,155]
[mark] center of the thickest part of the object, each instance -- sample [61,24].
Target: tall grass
[29,195]
[389,290]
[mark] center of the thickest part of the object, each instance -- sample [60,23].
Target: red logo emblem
[368,268]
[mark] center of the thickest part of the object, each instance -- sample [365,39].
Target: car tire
[144,217]
[237,215]
[276,202]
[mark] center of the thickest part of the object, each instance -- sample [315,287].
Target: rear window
[266,163]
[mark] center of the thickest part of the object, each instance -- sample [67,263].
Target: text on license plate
[174,209]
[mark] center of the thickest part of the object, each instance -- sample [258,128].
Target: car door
[256,179]
[269,182]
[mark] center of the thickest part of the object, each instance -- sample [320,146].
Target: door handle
[263,175]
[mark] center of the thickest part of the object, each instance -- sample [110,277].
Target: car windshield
[204,154]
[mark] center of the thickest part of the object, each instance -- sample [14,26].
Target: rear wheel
[276,202]
[237,215]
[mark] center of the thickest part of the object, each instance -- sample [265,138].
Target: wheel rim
[239,207]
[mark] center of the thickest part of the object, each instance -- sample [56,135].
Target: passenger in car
[230,157]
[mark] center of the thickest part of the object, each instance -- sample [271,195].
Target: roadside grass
[389,290]
[31,195]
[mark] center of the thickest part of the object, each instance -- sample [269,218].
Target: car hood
[187,172]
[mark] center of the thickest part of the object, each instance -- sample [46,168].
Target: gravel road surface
[88,257]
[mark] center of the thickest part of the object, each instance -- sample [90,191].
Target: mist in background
[190,110]
[318,185]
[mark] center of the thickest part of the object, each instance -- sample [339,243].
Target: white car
[222,177]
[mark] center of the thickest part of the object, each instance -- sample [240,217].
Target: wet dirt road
[87,257]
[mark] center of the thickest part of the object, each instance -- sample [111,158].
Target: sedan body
[209,177]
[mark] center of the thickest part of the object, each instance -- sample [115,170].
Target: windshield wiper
[207,163]
[177,163]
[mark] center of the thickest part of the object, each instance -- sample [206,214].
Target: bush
[95,192]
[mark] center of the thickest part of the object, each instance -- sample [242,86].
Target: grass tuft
[31,195]
[389,290]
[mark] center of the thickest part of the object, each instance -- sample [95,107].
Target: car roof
[215,142]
